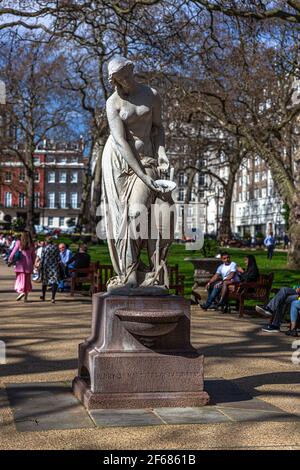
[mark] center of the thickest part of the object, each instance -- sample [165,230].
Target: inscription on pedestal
[149,374]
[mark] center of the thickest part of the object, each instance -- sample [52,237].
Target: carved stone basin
[150,323]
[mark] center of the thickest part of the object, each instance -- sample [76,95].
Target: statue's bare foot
[132,280]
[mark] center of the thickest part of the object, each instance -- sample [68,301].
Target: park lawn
[282,275]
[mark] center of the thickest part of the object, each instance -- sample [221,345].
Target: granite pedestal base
[139,355]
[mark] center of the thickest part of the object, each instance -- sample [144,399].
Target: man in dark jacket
[80,260]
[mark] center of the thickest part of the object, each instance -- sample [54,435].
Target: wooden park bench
[105,271]
[102,275]
[176,280]
[79,276]
[258,291]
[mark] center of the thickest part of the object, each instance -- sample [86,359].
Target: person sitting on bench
[226,273]
[275,309]
[81,260]
[294,312]
[250,274]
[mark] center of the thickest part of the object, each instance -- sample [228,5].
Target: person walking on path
[25,253]
[270,245]
[50,269]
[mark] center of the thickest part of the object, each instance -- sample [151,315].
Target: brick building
[59,169]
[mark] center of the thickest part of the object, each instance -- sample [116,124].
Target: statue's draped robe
[118,184]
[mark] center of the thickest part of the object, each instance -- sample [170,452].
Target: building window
[256,177]
[22,200]
[74,176]
[181,179]
[62,176]
[50,221]
[63,160]
[264,192]
[181,195]
[8,177]
[36,160]
[63,200]
[74,198]
[61,221]
[36,177]
[51,200]
[50,159]
[74,159]
[51,176]
[36,200]
[201,180]
[8,199]
[22,176]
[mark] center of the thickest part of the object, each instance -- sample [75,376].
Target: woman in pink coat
[24,266]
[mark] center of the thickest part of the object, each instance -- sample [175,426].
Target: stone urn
[204,268]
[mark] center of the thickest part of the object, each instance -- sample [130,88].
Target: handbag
[17,256]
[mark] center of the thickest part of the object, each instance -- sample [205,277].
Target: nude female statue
[133,158]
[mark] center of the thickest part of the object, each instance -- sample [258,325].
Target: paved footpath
[42,339]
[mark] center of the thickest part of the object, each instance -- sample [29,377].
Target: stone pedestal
[139,355]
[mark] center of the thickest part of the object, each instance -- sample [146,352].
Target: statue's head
[120,73]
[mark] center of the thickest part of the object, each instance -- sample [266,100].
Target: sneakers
[210,307]
[265,311]
[271,329]
[292,332]
[20,296]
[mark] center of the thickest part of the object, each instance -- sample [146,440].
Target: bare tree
[286,10]
[36,104]
[245,89]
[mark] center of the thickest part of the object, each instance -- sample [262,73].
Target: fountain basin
[151,323]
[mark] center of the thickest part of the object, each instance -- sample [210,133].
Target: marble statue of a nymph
[133,159]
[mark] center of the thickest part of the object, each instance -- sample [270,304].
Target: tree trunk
[225,222]
[294,219]
[294,233]
[30,196]
[97,187]
[187,200]
[85,199]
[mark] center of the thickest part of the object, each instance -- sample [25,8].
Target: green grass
[282,275]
